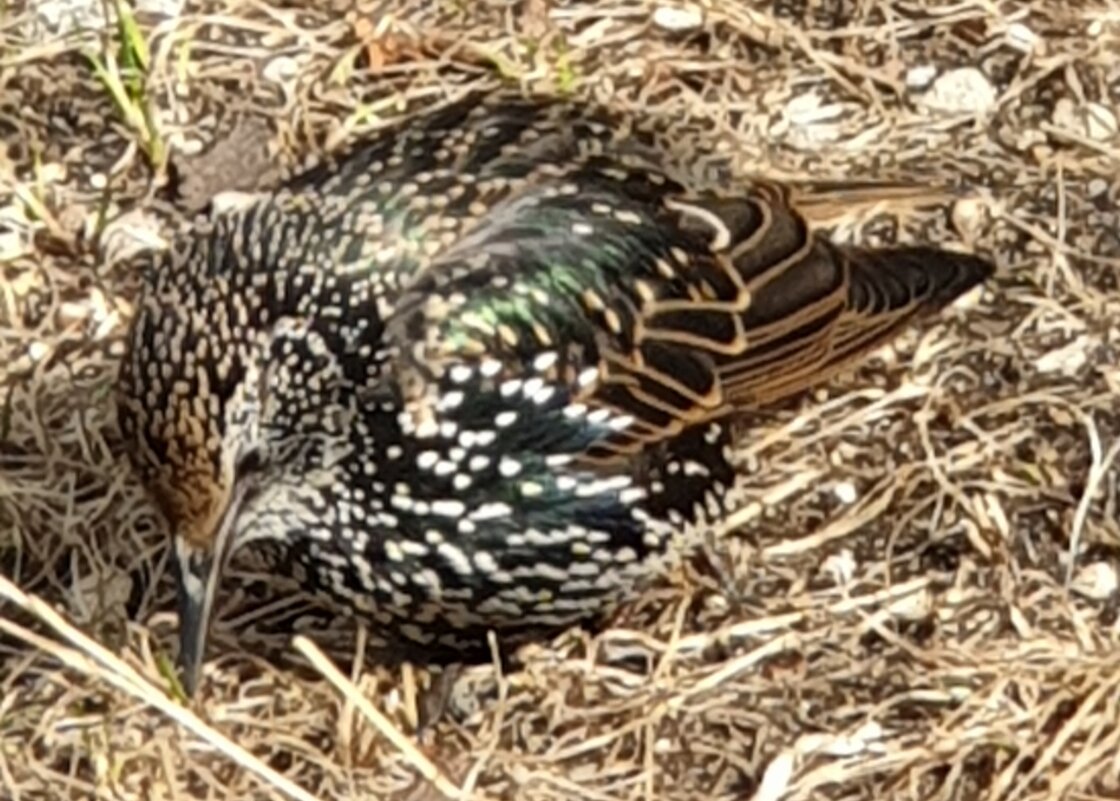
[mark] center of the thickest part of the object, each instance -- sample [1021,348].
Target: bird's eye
[248,462]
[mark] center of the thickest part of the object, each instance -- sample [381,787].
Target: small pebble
[37,351]
[1097,187]
[61,18]
[1066,360]
[845,492]
[969,215]
[1021,37]
[1097,581]
[1100,122]
[960,91]
[281,69]
[678,18]
[920,77]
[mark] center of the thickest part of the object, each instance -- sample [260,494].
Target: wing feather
[667,308]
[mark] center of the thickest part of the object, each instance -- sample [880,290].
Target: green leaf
[566,78]
[134,48]
[166,669]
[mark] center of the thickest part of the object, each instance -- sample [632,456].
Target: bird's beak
[200,570]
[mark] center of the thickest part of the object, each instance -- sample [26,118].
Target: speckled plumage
[477,372]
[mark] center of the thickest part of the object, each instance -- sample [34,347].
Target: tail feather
[886,280]
[884,291]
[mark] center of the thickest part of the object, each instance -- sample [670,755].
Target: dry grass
[899,615]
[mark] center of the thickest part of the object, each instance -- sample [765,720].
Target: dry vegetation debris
[895,612]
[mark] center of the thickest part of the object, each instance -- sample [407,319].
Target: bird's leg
[433,702]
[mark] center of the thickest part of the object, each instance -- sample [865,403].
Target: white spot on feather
[450,400]
[449,508]
[545,361]
[491,511]
[721,234]
[485,562]
[455,558]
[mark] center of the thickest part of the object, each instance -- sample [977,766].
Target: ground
[895,613]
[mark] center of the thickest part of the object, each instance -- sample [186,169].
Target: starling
[476,374]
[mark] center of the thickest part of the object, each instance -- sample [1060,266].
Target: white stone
[64,18]
[678,18]
[960,91]
[845,491]
[1099,122]
[1021,37]
[921,76]
[1097,581]
[38,350]
[1066,360]
[281,69]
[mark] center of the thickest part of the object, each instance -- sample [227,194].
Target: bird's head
[210,429]
[202,509]
[197,404]
[232,388]
[198,445]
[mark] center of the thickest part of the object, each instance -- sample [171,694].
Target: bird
[479,370]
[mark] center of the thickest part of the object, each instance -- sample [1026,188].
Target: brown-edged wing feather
[834,306]
[680,307]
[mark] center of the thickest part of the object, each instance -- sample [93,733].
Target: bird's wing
[618,294]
